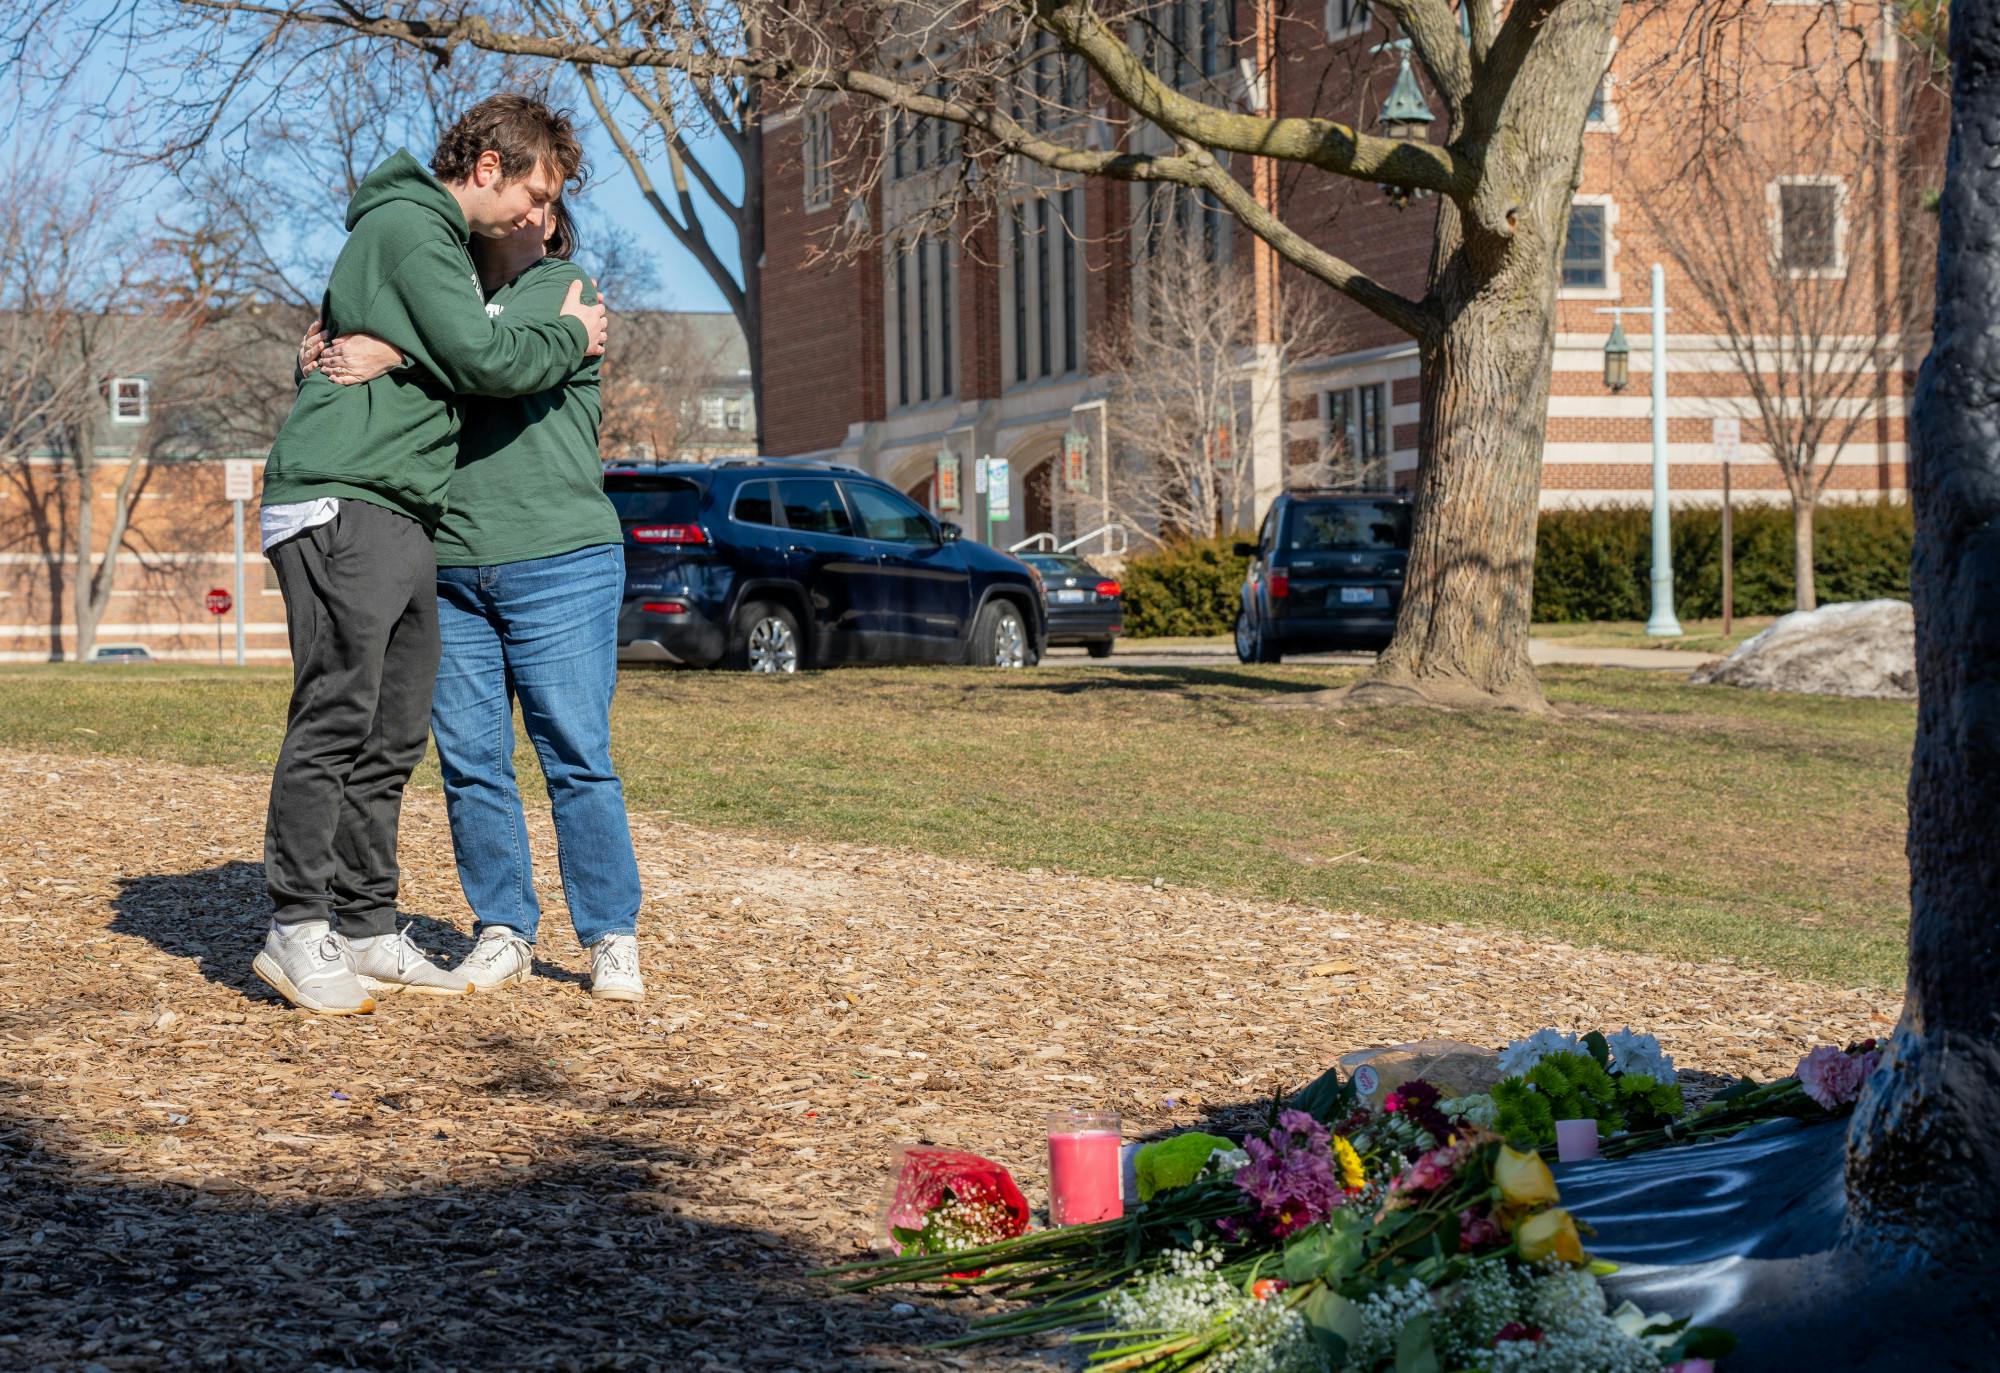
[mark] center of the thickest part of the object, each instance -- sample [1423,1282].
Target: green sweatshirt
[528,482]
[405,275]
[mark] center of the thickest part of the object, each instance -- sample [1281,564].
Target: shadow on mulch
[217,917]
[571,1267]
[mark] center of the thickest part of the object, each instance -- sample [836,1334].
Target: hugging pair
[434,509]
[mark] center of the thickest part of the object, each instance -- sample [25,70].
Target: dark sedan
[1085,606]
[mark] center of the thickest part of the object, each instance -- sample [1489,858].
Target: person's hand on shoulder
[354,358]
[596,320]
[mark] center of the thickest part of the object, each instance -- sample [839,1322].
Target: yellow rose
[1549,1234]
[1524,1179]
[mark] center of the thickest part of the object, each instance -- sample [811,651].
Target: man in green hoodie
[353,490]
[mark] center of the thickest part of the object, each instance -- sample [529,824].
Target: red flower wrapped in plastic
[946,1200]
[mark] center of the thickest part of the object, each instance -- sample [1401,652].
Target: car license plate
[1357,595]
[1070,597]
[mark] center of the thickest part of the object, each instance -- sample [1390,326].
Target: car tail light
[664,607]
[668,533]
[1108,589]
[1279,584]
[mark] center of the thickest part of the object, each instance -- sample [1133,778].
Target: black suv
[773,566]
[1325,573]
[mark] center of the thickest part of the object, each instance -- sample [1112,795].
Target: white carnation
[1522,1054]
[1638,1055]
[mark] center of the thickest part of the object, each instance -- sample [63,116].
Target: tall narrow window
[816,158]
[923,320]
[1585,254]
[902,328]
[1042,284]
[1020,298]
[944,314]
[1069,293]
[1809,226]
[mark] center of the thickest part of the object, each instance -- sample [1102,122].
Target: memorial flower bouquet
[1328,1249]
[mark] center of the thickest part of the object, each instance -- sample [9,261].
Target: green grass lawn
[1697,636]
[1647,814]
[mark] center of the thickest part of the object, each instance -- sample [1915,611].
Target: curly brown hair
[526,132]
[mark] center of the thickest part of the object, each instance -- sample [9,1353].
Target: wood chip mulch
[194,1176]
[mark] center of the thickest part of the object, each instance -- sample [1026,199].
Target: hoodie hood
[402,177]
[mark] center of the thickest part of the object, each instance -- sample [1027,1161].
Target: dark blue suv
[1325,573]
[772,566]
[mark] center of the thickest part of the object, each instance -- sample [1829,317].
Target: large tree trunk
[1462,634]
[1805,596]
[1923,1165]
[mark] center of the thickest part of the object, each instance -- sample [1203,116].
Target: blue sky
[613,195]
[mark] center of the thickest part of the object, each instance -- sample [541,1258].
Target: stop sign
[219,602]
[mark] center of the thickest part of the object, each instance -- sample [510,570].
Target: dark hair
[525,132]
[562,242]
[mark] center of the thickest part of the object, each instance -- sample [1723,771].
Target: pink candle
[1083,1167]
[1576,1140]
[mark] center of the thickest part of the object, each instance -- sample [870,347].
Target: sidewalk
[1206,652]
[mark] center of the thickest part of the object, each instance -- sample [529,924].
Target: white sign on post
[1726,434]
[998,497]
[239,480]
[979,476]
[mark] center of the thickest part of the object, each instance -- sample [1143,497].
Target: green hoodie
[528,482]
[405,275]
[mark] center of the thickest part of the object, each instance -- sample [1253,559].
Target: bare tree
[91,344]
[1787,226]
[1178,378]
[653,388]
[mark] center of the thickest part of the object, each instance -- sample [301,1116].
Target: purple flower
[1291,1174]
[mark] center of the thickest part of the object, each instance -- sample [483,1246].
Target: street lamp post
[1405,114]
[1661,623]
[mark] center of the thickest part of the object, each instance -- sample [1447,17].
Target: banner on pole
[949,501]
[998,498]
[1076,458]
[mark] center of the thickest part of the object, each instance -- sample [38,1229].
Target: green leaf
[1322,1252]
[1743,1086]
[1335,1323]
[1416,1351]
[1599,1049]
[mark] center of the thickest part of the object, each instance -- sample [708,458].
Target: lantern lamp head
[1617,357]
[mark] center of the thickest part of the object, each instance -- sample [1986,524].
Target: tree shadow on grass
[1075,682]
[585,1264]
[217,918]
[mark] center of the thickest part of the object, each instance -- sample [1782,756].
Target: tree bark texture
[1923,1163]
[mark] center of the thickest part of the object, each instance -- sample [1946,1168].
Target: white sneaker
[306,965]
[614,968]
[500,959]
[393,963]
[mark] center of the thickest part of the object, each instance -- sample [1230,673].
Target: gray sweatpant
[361,605]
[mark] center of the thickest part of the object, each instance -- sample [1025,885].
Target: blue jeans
[545,631]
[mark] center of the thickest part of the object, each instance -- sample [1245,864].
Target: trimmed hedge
[1596,564]
[1185,588]
[1590,565]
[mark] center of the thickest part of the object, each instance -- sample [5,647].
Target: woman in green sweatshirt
[531,575]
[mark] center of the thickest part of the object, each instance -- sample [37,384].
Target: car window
[887,516]
[813,505]
[1348,526]
[1060,565]
[1264,531]
[755,504]
[654,500]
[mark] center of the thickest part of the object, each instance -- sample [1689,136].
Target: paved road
[1137,653]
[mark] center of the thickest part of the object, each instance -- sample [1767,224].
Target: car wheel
[1000,637]
[1250,644]
[1100,648]
[766,639]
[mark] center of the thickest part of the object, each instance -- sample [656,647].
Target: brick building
[991,340]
